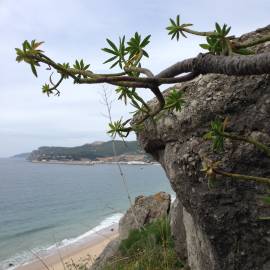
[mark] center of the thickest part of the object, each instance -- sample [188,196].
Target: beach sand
[84,252]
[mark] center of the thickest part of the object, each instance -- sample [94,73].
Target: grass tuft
[151,248]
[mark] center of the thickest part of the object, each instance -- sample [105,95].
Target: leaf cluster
[127,53]
[215,134]
[136,45]
[46,89]
[218,43]
[175,29]
[80,65]
[64,66]
[118,128]
[126,93]
[29,48]
[174,101]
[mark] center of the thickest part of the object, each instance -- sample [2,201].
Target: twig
[59,254]
[40,259]
[124,181]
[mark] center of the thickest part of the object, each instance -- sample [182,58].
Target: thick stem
[203,64]
[188,77]
[237,65]
[145,71]
[177,69]
[159,96]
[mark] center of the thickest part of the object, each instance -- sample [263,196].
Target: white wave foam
[173,197]
[18,259]
[27,256]
[107,222]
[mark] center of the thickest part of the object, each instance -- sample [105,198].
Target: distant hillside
[22,155]
[91,151]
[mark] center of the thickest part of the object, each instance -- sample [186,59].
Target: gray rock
[146,209]
[178,229]
[200,252]
[107,254]
[222,227]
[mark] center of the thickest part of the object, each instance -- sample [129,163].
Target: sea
[47,205]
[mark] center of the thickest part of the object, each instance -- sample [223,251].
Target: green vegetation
[148,249]
[87,151]
[226,54]
[217,135]
[152,247]
[85,265]
[223,57]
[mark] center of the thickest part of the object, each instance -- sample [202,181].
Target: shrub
[149,248]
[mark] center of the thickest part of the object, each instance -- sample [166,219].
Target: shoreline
[83,252]
[20,256]
[92,163]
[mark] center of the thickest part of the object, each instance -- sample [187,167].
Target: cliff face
[217,228]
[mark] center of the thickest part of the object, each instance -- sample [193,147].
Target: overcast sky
[78,29]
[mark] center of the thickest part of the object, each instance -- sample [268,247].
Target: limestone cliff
[217,228]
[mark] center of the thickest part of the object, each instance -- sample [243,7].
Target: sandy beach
[84,252]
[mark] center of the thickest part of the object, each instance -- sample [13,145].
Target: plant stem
[123,177]
[143,102]
[259,145]
[263,218]
[252,42]
[197,33]
[243,177]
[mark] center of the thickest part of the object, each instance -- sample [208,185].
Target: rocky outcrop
[220,225]
[145,210]
[106,255]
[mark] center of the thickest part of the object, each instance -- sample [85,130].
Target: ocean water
[43,205]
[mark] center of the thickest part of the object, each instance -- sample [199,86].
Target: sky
[78,29]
